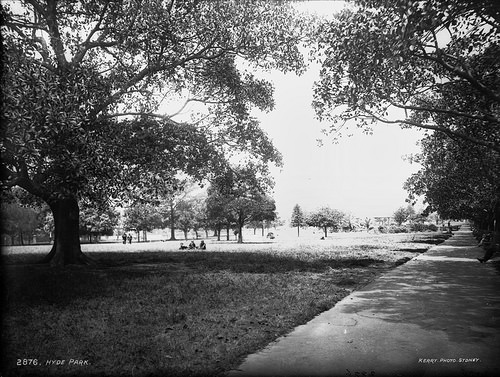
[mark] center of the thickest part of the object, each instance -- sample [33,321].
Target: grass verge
[177,313]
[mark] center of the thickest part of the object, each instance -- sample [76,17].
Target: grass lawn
[160,311]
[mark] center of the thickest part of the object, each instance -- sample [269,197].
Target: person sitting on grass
[203,245]
[490,244]
[192,245]
[183,247]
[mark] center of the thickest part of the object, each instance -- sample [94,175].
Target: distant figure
[124,237]
[203,245]
[449,227]
[183,247]
[322,238]
[192,245]
[129,238]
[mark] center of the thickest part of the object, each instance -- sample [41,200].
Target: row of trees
[233,200]
[325,218]
[26,224]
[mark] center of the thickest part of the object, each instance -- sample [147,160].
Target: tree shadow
[42,284]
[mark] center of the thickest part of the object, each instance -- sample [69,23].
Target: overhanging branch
[447,131]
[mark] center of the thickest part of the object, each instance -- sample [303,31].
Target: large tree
[409,62]
[88,90]
[459,181]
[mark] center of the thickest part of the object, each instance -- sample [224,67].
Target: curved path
[437,315]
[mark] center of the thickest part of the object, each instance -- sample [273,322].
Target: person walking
[130,238]
[124,237]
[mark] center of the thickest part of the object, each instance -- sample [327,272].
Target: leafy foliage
[403,213]
[325,218]
[459,180]
[298,218]
[436,60]
[97,221]
[239,197]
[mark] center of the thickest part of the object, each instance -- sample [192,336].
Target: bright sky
[362,174]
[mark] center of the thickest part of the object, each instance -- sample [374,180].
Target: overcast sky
[362,174]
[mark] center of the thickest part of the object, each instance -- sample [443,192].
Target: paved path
[437,315]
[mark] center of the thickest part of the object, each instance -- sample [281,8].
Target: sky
[362,175]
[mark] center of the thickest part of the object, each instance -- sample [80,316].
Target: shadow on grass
[433,240]
[36,283]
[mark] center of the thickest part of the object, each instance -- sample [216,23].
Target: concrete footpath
[436,315]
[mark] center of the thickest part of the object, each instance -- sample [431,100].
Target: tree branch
[485,118]
[444,130]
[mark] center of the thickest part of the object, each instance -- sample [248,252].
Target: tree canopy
[89,87]
[459,180]
[298,218]
[428,64]
[240,196]
[325,218]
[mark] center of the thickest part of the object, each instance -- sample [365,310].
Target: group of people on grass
[192,246]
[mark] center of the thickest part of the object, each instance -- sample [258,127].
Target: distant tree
[186,217]
[325,218]
[367,223]
[200,218]
[95,222]
[403,214]
[19,221]
[298,218]
[239,195]
[217,211]
[264,212]
[348,222]
[142,217]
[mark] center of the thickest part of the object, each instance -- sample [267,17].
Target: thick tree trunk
[66,248]
[240,233]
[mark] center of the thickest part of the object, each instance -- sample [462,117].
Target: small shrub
[398,229]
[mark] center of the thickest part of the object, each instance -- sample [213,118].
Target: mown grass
[177,313]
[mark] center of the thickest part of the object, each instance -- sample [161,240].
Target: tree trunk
[298,231]
[326,231]
[66,248]
[227,232]
[240,233]
[172,222]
